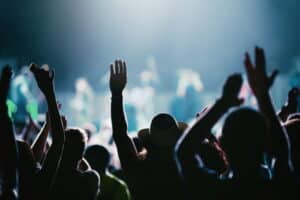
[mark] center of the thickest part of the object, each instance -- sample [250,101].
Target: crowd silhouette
[257,155]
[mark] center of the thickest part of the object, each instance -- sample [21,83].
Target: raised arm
[44,79]
[8,148]
[260,84]
[126,149]
[39,145]
[291,106]
[30,127]
[187,162]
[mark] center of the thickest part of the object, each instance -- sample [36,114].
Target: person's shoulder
[90,183]
[91,177]
[116,180]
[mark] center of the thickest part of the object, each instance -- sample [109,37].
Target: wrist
[263,97]
[50,96]
[116,94]
[223,103]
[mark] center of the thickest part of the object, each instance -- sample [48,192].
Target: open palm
[118,77]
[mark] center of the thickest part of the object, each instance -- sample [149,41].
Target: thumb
[272,77]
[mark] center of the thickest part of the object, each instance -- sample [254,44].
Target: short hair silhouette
[75,143]
[244,136]
[98,157]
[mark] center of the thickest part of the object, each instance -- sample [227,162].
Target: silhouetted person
[153,176]
[111,187]
[245,138]
[71,183]
[34,182]
[8,148]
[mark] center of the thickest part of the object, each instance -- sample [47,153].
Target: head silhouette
[164,131]
[98,157]
[75,143]
[243,139]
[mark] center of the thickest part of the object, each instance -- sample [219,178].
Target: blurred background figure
[187,102]
[140,103]
[83,101]
[24,104]
[111,187]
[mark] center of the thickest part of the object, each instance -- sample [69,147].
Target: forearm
[39,145]
[125,146]
[56,123]
[188,143]
[53,157]
[119,124]
[201,128]
[277,136]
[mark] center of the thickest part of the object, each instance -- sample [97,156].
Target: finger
[261,61]
[248,64]
[272,77]
[111,69]
[121,67]
[256,56]
[117,67]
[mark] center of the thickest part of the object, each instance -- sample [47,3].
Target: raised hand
[43,77]
[6,76]
[291,106]
[118,77]
[231,90]
[258,79]
[260,83]
[292,98]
